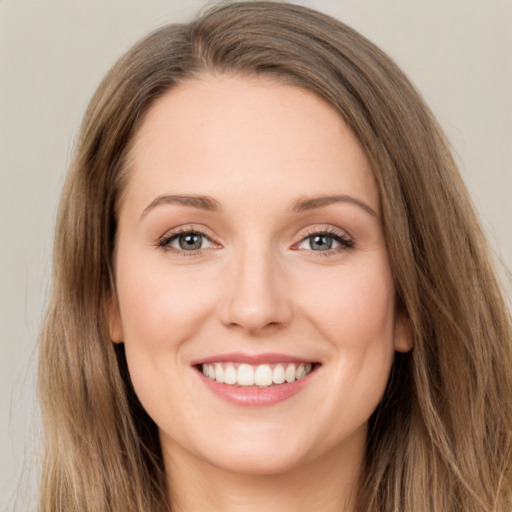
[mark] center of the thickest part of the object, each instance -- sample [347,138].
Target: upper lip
[253,359]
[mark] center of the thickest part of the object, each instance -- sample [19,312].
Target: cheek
[356,315]
[353,307]
[159,307]
[160,312]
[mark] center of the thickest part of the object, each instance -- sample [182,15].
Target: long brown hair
[441,440]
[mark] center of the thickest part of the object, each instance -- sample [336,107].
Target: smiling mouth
[261,375]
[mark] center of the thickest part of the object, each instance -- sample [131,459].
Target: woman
[270,286]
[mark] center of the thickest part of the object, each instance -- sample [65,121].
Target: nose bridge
[256,296]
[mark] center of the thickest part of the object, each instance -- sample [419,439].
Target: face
[250,249]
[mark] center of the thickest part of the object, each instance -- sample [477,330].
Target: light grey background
[53,54]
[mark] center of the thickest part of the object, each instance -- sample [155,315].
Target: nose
[256,297]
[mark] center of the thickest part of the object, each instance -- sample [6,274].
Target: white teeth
[219,372]
[230,375]
[245,375]
[278,375]
[262,375]
[289,374]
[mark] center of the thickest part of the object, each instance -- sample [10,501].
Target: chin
[263,453]
[269,451]
[257,464]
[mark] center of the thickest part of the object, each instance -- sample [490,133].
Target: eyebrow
[193,201]
[312,203]
[212,205]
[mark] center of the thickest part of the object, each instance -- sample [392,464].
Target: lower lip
[253,396]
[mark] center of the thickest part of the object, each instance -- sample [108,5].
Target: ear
[403,331]
[115,325]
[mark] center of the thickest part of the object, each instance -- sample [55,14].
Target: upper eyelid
[191,228]
[343,239]
[328,230]
[325,229]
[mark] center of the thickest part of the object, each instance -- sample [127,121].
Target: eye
[325,241]
[186,241]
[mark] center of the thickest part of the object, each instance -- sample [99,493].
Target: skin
[258,285]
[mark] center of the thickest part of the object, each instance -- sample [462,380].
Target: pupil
[321,242]
[190,241]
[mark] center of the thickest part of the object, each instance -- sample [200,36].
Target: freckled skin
[258,284]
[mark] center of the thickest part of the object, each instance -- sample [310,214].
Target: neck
[328,483]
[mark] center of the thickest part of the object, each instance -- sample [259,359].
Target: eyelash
[345,241]
[165,242]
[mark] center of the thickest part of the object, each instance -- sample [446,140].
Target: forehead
[249,136]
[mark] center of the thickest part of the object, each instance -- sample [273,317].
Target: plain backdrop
[53,54]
